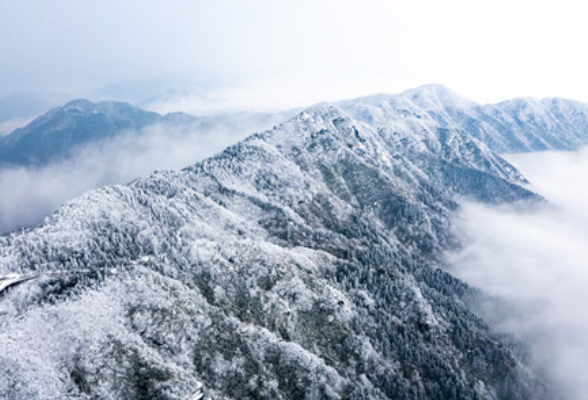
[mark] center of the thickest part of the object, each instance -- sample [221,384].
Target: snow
[289,262]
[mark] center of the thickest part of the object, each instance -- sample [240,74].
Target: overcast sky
[273,52]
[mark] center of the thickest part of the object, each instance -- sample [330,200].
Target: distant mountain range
[304,262]
[56,134]
[518,125]
[60,133]
[513,126]
[85,145]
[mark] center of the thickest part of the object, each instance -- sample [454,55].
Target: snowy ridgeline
[517,125]
[300,263]
[513,126]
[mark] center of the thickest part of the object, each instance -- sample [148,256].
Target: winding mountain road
[10,280]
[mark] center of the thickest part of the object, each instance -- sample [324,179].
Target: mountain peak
[107,106]
[295,250]
[435,95]
[79,105]
[55,133]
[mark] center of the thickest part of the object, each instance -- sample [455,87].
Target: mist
[533,259]
[76,48]
[31,194]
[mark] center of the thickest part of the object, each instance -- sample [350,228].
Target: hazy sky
[272,52]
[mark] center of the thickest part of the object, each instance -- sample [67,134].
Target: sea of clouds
[534,260]
[29,194]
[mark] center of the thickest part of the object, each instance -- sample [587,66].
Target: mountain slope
[302,262]
[63,132]
[58,133]
[519,125]
[84,146]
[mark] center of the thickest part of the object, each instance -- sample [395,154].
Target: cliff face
[304,262]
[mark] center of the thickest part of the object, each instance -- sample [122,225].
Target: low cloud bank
[29,195]
[535,261]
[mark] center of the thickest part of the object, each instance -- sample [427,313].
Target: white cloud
[28,195]
[537,262]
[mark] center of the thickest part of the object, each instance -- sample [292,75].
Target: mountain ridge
[558,124]
[60,131]
[302,262]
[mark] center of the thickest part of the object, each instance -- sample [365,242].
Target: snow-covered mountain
[518,125]
[303,262]
[64,132]
[85,145]
[512,126]
[61,131]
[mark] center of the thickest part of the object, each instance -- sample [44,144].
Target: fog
[534,260]
[30,194]
[334,48]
